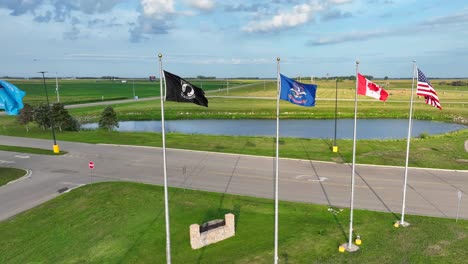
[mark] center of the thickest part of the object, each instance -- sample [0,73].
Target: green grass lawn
[10,174]
[31,150]
[124,223]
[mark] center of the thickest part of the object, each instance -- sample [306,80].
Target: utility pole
[56,87]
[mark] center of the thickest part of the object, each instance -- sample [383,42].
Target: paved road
[430,192]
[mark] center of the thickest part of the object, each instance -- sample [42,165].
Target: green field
[124,223]
[10,174]
[93,90]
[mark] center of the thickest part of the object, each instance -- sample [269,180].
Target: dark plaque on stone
[212,225]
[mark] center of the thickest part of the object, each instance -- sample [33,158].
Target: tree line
[45,115]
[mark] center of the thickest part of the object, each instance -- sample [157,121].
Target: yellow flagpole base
[56,149]
[335,148]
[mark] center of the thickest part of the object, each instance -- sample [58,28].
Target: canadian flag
[368,88]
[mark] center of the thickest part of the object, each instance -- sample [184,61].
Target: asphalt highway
[430,192]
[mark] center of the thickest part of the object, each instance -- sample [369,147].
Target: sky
[239,38]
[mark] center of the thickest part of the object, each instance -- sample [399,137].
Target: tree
[25,116]
[63,120]
[385,78]
[42,116]
[108,119]
[60,115]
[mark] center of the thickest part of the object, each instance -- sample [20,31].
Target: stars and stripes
[425,89]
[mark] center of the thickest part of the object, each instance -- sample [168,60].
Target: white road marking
[6,161]
[320,179]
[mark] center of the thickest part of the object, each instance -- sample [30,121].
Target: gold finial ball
[160,55]
[278,58]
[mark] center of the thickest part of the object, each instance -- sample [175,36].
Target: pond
[311,128]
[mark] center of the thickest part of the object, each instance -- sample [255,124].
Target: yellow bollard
[358,240]
[396,225]
[335,148]
[56,149]
[341,249]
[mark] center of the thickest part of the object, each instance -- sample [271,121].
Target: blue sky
[234,38]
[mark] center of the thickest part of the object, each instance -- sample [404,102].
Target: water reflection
[316,128]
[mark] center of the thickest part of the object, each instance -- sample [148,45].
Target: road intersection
[430,192]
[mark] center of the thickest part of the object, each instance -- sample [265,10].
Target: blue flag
[296,92]
[11,98]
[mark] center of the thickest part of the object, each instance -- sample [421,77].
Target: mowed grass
[93,90]
[10,174]
[30,150]
[124,223]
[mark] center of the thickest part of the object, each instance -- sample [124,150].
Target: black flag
[179,90]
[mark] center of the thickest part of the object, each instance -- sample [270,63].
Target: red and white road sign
[91,165]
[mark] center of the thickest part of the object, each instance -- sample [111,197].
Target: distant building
[123,81]
[152,78]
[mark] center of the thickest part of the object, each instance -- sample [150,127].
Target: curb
[27,175]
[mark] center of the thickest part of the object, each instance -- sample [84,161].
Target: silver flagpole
[166,199]
[277,158]
[350,247]
[410,125]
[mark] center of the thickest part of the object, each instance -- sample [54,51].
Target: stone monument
[212,231]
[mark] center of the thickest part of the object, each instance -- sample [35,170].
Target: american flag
[425,89]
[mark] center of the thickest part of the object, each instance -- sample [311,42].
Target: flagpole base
[335,149]
[401,223]
[349,248]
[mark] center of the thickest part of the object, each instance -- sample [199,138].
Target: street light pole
[55,147]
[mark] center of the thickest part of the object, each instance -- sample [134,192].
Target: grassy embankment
[441,151]
[124,223]
[10,174]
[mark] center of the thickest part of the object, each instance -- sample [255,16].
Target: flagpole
[350,247]
[410,125]
[335,147]
[277,157]
[166,203]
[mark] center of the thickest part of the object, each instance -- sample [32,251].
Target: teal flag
[11,98]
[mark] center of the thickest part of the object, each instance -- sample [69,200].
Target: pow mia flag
[179,90]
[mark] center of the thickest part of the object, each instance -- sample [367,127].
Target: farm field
[94,90]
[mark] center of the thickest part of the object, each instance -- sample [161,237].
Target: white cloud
[201,4]
[157,8]
[340,2]
[300,14]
